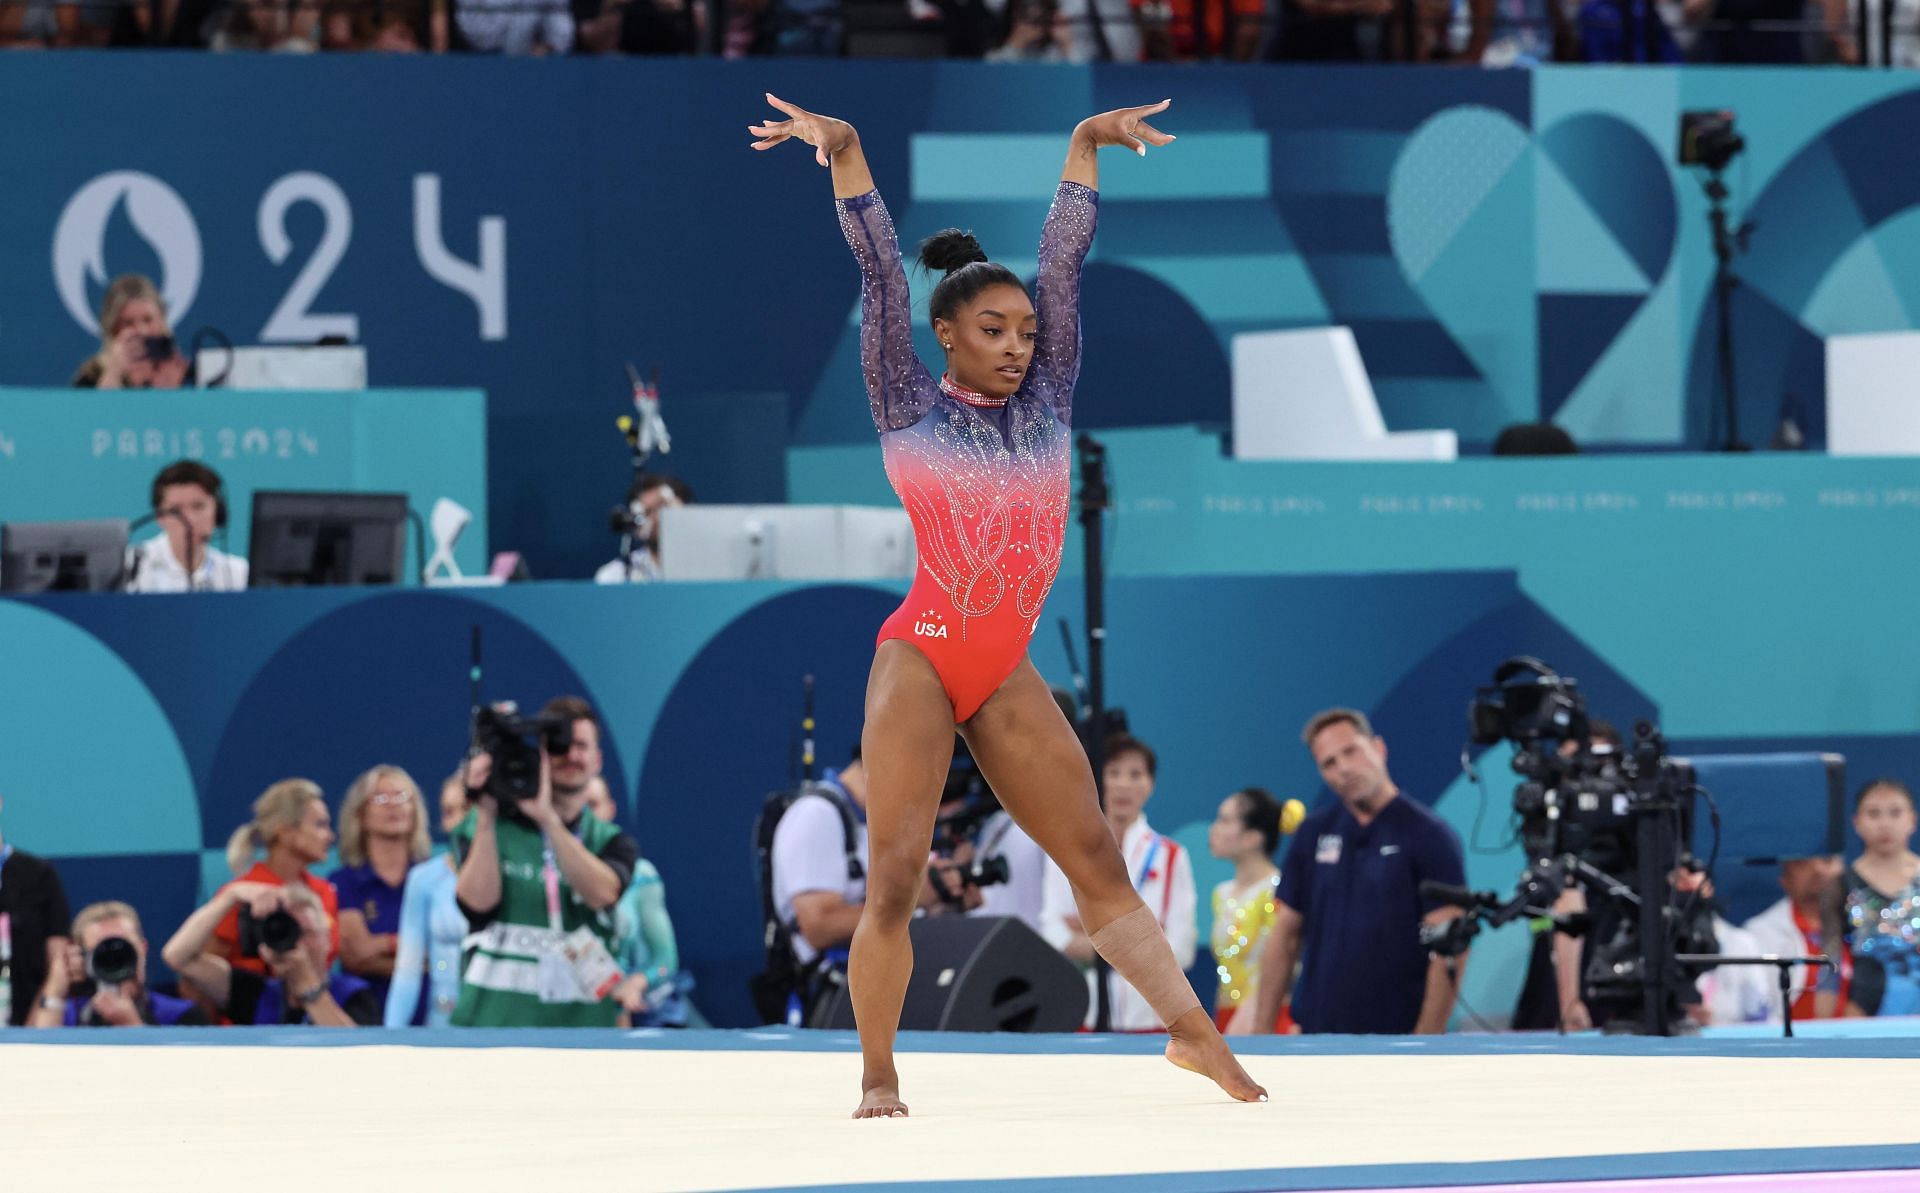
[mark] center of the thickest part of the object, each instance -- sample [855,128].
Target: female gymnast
[980,460]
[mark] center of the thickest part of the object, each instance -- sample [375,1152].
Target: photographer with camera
[290,820]
[136,344]
[1349,906]
[638,524]
[540,874]
[99,979]
[286,930]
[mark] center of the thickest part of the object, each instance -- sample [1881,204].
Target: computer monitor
[784,542]
[63,556]
[308,539]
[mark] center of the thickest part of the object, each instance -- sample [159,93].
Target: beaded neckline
[971,397]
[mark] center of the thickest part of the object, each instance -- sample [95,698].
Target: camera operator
[287,928]
[1348,906]
[650,493]
[983,864]
[100,978]
[136,344]
[539,878]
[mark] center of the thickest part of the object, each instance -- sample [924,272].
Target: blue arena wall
[1506,245]
[1748,604]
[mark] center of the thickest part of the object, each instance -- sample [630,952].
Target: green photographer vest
[499,964]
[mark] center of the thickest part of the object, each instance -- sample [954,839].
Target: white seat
[1873,394]
[1304,395]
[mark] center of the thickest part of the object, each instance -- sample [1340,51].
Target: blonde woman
[291,824]
[136,344]
[383,832]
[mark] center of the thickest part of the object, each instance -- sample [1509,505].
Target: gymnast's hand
[1125,127]
[827,135]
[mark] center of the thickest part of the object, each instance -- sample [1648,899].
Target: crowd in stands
[1493,33]
[542,911]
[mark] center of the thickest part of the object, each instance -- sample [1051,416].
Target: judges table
[80,454]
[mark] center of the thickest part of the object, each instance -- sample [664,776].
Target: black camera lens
[280,932]
[112,961]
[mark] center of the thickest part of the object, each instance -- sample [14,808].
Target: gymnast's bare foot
[880,1098]
[1198,1048]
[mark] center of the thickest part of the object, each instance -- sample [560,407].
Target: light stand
[1729,242]
[1095,500]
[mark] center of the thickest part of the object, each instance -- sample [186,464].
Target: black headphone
[193,472]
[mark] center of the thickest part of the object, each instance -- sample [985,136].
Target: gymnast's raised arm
[898,385]
[1067,237]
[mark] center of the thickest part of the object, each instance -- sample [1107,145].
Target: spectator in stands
[287,26]
[544,863]
[1349,904]
[531,27]
[1802,923]
[388,26]
[1173,31]
[1037,32]
[1897,45]
[136,343]
[1451,31]
[1329,30]
[650,493]
[431,930]
[296,987]
[290,822]
[1880,903]
[383,833]
[75,993]
[648,953]
[1161,872]
[643,26]
[33,921]
[1101,30]
[33,24]
[190,504]
[1245,831]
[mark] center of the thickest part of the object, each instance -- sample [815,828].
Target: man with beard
[538,884]
[1349,907]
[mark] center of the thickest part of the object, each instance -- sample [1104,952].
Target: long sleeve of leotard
[899,387]
[1064,242]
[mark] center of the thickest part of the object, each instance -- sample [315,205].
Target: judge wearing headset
[190,505]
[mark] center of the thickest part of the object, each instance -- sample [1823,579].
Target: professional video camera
[1616,824]
[516,742]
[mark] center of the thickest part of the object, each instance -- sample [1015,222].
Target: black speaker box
[989,973]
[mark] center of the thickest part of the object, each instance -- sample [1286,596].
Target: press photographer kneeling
[100,978]
[540,874]
[286,927]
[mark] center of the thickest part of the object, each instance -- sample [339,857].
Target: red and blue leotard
[983,480]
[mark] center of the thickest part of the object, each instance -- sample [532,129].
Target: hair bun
[949,250]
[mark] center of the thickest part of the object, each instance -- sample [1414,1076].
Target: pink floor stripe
[1795,1182]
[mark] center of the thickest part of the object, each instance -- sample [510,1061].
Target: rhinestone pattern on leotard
[986,486]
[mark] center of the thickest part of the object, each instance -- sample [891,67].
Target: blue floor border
[780,1039]
[1652,1166]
